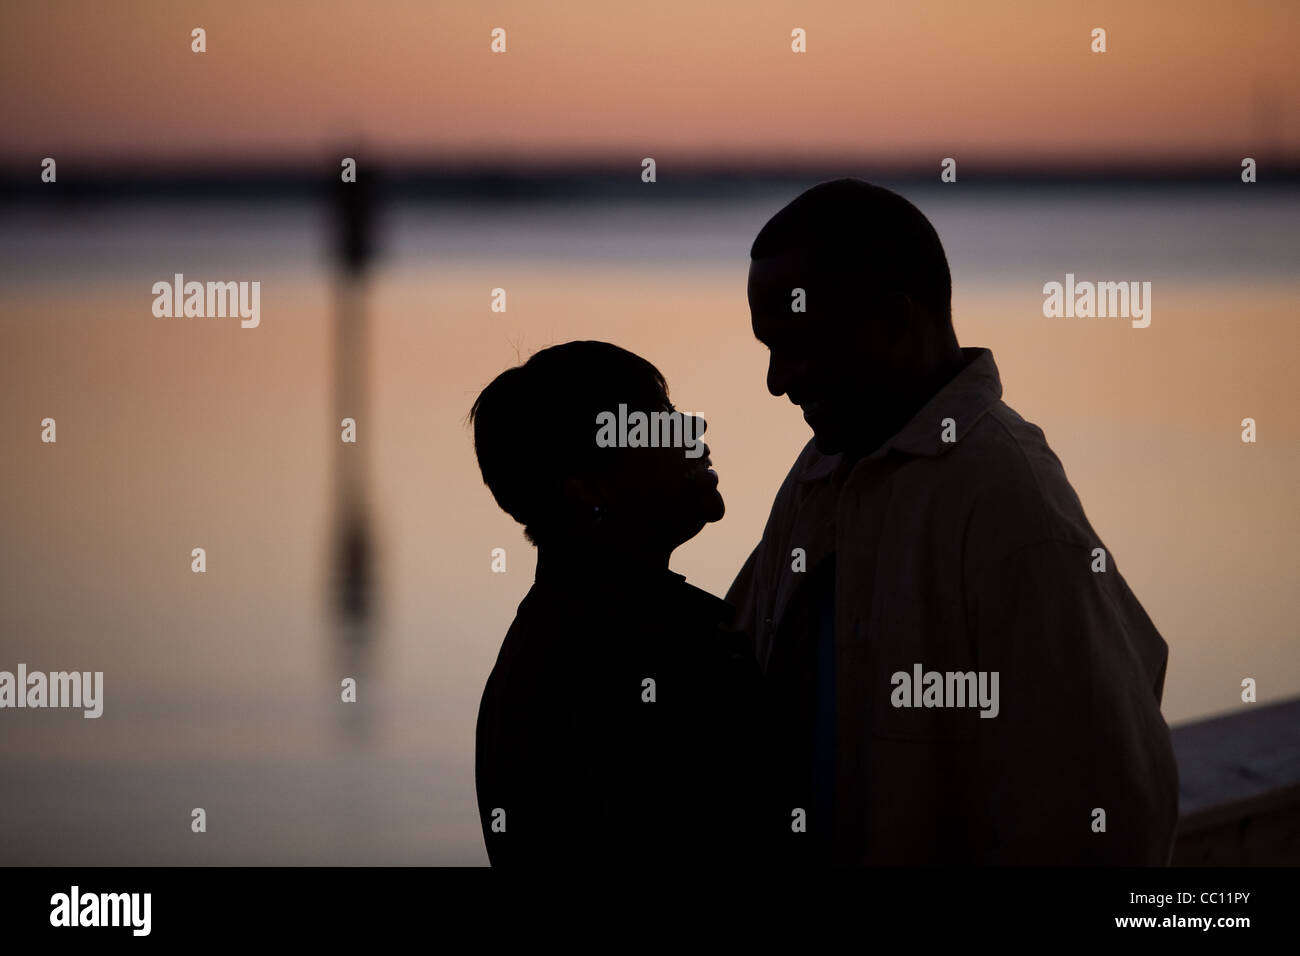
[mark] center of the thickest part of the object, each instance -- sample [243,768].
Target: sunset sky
[183,432]
[1008,80]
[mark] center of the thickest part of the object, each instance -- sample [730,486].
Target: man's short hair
[862,237]
[535,425]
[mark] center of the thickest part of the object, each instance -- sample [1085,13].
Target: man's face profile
[826,358]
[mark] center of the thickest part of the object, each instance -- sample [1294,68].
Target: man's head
[877,325]
[535,435]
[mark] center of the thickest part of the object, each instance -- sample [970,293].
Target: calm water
[222,689]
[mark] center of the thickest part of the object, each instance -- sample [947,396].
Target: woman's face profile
[666,494]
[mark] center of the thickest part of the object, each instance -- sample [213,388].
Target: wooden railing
[1239,788]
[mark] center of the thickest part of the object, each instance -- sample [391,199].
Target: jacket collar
[596,585]
[971,393]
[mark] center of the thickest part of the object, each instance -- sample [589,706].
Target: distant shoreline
[113,180]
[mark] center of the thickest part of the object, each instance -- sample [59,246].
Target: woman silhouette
[618,724]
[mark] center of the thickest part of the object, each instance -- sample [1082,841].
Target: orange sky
[676,80]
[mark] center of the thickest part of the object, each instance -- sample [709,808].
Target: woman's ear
[584,495]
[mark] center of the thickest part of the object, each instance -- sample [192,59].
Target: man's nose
[778,376]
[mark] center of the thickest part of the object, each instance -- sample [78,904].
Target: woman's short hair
[535,424]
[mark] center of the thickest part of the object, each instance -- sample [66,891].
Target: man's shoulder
[1004,448]
[1016,484]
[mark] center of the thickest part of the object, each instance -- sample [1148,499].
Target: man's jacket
[955,552]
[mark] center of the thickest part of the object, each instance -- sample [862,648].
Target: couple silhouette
[926,535]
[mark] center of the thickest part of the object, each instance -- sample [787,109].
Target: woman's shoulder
[712,612]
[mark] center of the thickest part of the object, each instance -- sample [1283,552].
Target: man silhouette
[958,670]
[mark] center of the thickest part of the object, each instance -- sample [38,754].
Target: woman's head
[535,435]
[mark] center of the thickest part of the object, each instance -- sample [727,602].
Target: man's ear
[901,315]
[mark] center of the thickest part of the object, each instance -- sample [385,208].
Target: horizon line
[592,177]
